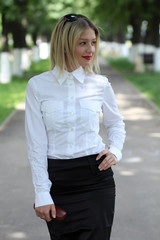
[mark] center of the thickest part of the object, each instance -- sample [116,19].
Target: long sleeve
[36,140]
[62,122]
[113,122]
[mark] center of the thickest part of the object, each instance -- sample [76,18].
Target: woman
[70,166]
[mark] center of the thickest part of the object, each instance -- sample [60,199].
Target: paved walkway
[137,175]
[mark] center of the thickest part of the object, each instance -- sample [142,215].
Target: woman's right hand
[47,212]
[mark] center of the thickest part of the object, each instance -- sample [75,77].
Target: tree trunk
[19,38]
[153,39]
[136,24]
[121,34]
[148,36]
[136,37]
[19,35]
[4,34]
[152,33]
[34,37]
[155,30]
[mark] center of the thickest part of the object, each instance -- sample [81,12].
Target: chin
[85,65]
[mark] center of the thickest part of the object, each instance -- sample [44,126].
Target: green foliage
[13,9]
[40,17]
[43,15]
[112,14]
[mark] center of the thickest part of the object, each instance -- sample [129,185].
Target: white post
[17,57]
[44,50]
[25,59]
[5,67]
[139,65]
[149,48]
[124,51]
[157,60]
[35,56]
[135,51]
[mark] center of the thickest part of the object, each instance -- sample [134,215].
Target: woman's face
[85,47]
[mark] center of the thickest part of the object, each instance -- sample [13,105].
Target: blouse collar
[79,74]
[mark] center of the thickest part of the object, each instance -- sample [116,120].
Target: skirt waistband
[81,161]
[74,163]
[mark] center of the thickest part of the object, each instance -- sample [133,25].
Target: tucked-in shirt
[62,121]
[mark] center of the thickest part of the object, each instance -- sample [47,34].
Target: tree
[152,16]
[14,13]
[130,12]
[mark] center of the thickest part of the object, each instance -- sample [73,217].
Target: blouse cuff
[43,198]
[116,152]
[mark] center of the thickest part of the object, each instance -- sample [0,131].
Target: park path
[137,175]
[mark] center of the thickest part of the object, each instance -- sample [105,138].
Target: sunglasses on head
[73,17]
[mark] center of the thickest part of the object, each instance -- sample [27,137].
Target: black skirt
[86,194]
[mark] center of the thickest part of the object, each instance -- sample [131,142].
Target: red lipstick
[87,57]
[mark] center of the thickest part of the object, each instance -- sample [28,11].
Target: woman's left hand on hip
[108,161]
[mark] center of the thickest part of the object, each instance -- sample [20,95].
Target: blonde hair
[64,39]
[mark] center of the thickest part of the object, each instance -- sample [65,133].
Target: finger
[48,212]
[103,166]
[48,216]
[53,211]
[101,154]
[107,162]
[38,212]
[42,217]
[44,212]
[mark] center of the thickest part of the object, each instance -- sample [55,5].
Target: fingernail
[54,216]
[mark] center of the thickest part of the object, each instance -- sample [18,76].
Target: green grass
[11,94]
[148,82]
[121,64]
[39,67]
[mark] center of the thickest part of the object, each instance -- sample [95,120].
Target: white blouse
[62,121]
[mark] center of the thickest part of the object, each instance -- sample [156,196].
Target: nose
[90,48]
